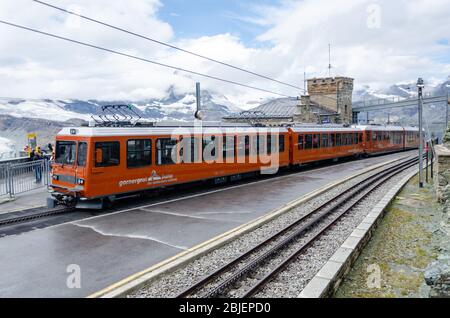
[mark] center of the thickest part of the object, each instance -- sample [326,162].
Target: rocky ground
[406,242]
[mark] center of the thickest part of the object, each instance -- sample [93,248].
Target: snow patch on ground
[7,148]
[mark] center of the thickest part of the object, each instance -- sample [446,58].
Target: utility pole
[446,112]
[198,113]
[420,86]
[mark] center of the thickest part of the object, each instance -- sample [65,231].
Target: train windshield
[65,152]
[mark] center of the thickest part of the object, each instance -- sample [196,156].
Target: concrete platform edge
[133,282]
[326,282]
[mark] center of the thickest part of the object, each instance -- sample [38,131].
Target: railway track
[35,216]
[248,273]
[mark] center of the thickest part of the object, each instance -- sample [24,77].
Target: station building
[329,100]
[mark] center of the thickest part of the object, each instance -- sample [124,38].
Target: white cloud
[298,32]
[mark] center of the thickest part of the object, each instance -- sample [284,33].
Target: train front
[69,168]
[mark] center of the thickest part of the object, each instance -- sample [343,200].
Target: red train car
[98,164]
[316,143]
[412,138]
[383,139]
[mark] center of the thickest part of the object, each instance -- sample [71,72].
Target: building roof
[279,108]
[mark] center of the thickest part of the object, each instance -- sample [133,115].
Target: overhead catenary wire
[167,44]
[140,58]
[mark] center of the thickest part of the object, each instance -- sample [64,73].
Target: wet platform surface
[111,247]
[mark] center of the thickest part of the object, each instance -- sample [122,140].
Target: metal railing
[22,177]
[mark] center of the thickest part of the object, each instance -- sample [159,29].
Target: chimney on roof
[303,112]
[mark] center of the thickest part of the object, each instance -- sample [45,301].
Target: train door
[80,167]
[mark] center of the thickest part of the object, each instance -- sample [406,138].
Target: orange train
[95,166]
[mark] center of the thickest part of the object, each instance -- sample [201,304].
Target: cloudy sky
[378,42]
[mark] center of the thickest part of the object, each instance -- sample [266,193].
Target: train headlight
[80,181]
[55,177]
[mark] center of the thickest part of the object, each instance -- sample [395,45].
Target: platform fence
[22,177]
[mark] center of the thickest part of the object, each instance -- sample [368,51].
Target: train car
[382,139]
[98,165]
[412,138]
[316,143]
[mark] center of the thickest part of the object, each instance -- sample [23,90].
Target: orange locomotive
[95,166]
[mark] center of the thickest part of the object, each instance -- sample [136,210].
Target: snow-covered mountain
[434,115]
[401,91]
[46,116]
[174,107]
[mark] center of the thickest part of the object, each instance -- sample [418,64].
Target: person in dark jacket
[50,148]
[38,166]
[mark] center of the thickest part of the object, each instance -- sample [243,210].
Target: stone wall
[437,274]
[442,173]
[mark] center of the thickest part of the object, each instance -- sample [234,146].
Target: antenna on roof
[117,116]
[329,59]
[305,88]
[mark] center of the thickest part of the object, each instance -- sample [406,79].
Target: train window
[300,142]
[269,144]
[332,140]
[211,143]
[192,146]
[360,138]
[243,146]
[308,141]
[165,151]
[355,139]
[65,152]
[110,153]
[228,147]
[316,141]
[367,136]
[261,144]
[325,141]
[247,146]
[338,139]
[82,154]
[139,153]
[343,139]
[281,145]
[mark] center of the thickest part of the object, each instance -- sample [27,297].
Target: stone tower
[334,93]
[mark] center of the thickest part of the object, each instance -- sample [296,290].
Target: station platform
[23,201]
[111,247]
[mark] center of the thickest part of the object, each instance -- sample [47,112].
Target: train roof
[381,128]
[168,131]
[160,131]
[324,128]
